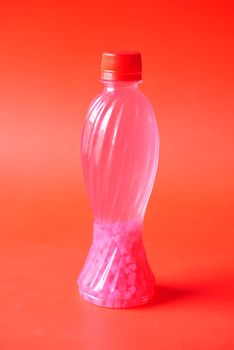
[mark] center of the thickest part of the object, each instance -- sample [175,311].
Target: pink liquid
[119,151]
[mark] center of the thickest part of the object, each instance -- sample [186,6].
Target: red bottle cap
[121,66]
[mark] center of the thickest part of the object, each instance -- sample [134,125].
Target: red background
[49,71]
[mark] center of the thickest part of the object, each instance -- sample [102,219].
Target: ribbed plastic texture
[119,150]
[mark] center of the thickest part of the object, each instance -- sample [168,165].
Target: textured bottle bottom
[116,273]
[116,303]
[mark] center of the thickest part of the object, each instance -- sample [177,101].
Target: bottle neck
[119,85]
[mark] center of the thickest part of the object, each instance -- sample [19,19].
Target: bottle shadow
[214,289]
[167,294]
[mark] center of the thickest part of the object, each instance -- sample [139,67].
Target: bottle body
[119,150]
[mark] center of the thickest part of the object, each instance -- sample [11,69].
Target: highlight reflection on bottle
[119,150]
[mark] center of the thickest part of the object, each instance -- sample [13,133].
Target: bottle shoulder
[126,100]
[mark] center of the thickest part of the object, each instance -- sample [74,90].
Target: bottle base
[116,273]
[116,303]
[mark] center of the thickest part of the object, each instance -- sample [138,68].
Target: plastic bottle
[119,150]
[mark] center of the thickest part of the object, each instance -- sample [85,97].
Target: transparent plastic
[119,150]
